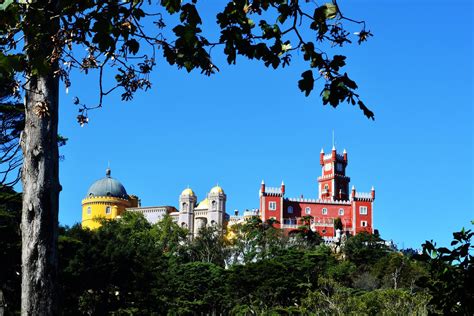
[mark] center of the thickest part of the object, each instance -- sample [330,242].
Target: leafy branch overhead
[117,36]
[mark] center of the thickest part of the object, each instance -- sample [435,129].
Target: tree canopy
[131,267]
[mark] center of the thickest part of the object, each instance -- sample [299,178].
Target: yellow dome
[187,191]
[217,189]
[203,205]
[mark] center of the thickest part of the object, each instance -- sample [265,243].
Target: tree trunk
[2,304]
[40,173]
[40,176]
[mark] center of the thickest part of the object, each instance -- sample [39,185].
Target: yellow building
[106,198]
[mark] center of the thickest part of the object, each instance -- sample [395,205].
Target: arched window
[108,210]
[183,225]
[341,211]
[290,209]
[213,223]
[213,205]
[307,210]
[325,211]
[184,205]
[89,210]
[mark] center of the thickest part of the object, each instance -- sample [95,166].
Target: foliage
[10,250]
[114,35]
[451,274]
[364,249]
[130,267]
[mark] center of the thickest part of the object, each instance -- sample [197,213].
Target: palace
[334,200]
[107,198]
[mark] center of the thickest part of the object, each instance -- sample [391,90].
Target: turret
[283,187]
[372,193]
[333,153]
[321,157]
[344,153]
[353,193]
[262,187]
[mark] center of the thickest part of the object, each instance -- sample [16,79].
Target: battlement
[364,196]
[318,201]
[330,176]
[273,191]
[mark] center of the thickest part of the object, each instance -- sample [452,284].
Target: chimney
[321,157]
[262,187]
[283,187]
[344,153]
[372,193]
[333,153]
[353,193]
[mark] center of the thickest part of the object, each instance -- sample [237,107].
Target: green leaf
[133,46]
[306,84]
[5,4]
[331,10]
[366,110]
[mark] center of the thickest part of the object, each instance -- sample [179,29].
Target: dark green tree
[10,250]
[197,288]
[118,268]
[451,274]
[365,249]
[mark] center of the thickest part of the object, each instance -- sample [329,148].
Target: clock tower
[333,182]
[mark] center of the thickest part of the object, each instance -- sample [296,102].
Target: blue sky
[249,123]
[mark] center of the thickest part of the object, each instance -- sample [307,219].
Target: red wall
[360,217]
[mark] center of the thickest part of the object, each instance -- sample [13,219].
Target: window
[326,187]
[323,231]
[214,205]
[363,210]
[89,210]
[290,209]
[307,210]
[108,210]
[341,211]
[272,206]
[363,223]
[325,211]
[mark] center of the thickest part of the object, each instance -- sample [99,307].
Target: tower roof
[107,186]
[217,189]
[188,191]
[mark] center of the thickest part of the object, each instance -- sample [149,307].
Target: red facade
[334,201]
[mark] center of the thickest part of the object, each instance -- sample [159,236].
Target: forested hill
[129,267]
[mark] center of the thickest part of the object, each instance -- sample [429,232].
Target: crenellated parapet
[319,201]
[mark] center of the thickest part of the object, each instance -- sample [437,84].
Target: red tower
[333,182]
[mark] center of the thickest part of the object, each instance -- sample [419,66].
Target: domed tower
[106,198]
[187,201]
[216,211]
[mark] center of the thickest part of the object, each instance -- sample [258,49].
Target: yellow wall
[98,207]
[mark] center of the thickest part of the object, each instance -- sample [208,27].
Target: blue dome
[107,186]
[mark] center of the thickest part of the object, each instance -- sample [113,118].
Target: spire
[282,183]
[322,150]
[344,152]
[263,182]
[373,189]
[333,143]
